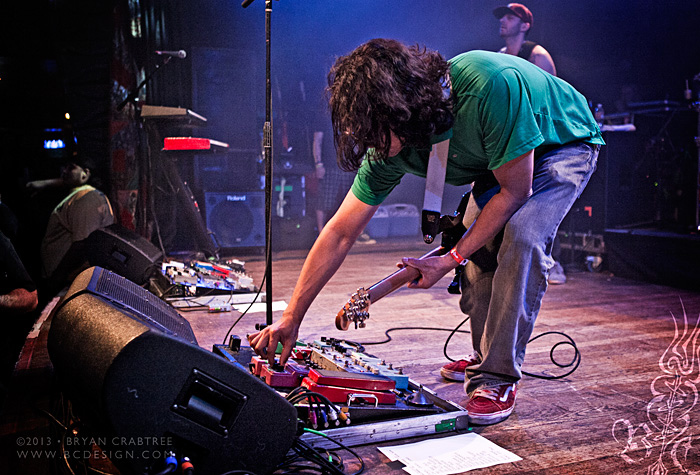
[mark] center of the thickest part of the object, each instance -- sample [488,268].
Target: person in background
[334,184]
[515,22]
[85,209]
[496,117]
[18,292]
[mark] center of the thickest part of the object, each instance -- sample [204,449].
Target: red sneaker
[454,371]
[490,405]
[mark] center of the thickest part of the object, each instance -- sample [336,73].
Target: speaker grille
[137,300]
[237,219]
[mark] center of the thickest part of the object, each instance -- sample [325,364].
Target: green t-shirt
[504,107]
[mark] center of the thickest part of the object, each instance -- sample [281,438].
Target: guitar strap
[434,188]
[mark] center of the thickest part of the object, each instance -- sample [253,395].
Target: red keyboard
[192,143]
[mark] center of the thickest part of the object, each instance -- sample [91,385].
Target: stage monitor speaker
[123,251]
[137,379]
[237,219]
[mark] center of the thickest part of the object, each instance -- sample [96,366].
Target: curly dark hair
[384,86]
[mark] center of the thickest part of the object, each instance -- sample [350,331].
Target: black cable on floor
[573,364]
[257,294]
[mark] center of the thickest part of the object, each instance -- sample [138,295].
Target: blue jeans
[504,282]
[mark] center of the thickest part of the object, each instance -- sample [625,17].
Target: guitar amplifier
[237,219]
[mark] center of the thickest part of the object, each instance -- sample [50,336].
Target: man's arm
[542,58]
[324,259]
[515,178]
[22,295]
[39,185]
[316,152]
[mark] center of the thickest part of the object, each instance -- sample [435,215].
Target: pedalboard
[200,277]
[381,401]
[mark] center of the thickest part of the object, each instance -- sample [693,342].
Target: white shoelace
[488,393]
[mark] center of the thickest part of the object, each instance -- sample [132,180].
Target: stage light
[54,144]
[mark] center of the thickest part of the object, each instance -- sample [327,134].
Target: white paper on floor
[449,455]
[277,305]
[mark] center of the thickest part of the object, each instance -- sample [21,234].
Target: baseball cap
[517,9]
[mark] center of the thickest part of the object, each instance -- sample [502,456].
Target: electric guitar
[356,310]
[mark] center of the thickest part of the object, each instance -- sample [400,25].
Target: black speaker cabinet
[588,213]
[223,171]
[123,251]
[289,196]
[140,383]
[293,233]
[228,99]
[237,219]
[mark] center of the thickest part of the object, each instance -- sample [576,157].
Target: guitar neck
[398,278]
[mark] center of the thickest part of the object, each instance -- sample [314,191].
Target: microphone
[182,54]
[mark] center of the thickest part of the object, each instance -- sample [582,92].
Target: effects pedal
[289,377]
[366,381]
[234,351]
[357,362]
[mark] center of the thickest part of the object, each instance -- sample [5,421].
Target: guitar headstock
[356,310]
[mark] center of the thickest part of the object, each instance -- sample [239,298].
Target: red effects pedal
[290,377]
[340,386]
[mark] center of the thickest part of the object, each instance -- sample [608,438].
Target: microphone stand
[696,106]
[145,171]
[267,155]
[134,94]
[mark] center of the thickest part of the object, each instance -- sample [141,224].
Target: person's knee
[475,286]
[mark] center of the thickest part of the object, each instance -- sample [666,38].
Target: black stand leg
[267,155]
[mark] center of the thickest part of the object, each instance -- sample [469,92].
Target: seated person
[83,211]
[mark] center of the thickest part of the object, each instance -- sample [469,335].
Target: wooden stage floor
[632,406]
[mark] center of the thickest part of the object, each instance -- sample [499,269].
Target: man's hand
[324,259]
[19,301]
[264,342]
[431,269]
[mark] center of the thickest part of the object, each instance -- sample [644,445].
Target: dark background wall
[643,50]
[598,46]
[55,56]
